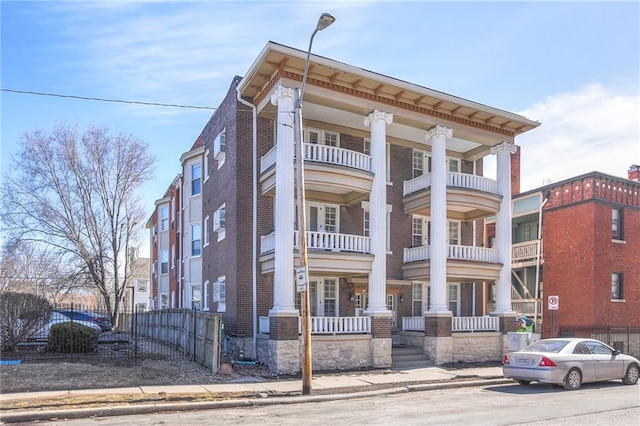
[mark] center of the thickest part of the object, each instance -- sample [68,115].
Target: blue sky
[574,66]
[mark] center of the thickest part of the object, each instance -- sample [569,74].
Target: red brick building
[591,251]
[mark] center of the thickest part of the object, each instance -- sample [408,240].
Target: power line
[90,98]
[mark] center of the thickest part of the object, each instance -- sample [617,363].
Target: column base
[283,328]
[439,349]
[438,324]
[284,356]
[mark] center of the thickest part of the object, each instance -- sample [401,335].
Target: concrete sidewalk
[260,392]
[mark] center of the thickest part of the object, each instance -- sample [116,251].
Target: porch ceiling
[342,94]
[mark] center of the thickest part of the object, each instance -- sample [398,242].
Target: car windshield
[546,346]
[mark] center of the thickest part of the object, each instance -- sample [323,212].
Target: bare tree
[31,267]
[78,194]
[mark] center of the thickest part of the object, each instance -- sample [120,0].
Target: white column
[503,227]
[438,248]
[284,210]
[378,121]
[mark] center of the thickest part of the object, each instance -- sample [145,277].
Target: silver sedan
[570,362]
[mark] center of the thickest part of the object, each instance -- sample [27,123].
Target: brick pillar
[515,171]
[283,328]
[284,345]
[381,341]
[437,326]
[438,337]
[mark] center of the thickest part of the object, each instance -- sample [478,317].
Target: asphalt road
[610,403]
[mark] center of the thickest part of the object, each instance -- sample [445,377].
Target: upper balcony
[327,252]
[468,196]
[340,171]
[463,263]
[527,253]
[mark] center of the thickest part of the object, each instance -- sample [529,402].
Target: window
[367,146]
[142,285]
[616,285]
[220,222]
[205,297]
[331,138]
[164,217]
[453,299]
[173,256]
[454,165]
[164,261]
[616,224]
[366,224]
[196,179]
[416,299]
[454,232]
[196,236]
[206,231]
[206,165]
[220,145]
[220,293]
[330,289]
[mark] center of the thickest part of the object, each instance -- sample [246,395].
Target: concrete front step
[409,357]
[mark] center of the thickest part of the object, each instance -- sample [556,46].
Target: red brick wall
[515,172]
[580,256]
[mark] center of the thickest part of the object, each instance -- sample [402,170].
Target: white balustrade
[268,160]
[473,253]
[458,324]
[338,156]
[268,243]
[329,325]
[458,180]
[525,251]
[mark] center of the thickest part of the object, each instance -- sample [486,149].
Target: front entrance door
[323,297]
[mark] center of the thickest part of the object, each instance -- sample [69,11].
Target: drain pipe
[539,250]
[254,224]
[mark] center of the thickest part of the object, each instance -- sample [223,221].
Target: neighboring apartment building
[577,241]
[395,209]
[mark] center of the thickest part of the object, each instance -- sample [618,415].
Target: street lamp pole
[325,20]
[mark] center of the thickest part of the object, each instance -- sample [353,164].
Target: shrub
[68,337]
[21,315]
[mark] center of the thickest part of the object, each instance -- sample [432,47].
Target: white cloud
[592,129]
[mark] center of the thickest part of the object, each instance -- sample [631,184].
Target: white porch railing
[458,324]
[323,241]
[324,154]
[329,325]
[521,306]
[459,180]
[338,156]
[473,253]
[526,251]
[268,160]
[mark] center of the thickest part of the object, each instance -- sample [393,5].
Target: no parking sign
[553,303]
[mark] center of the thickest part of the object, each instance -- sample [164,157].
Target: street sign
[301,278]
[554,303]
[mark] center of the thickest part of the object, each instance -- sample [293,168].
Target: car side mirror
[616,352]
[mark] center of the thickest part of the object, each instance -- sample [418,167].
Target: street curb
[123,410]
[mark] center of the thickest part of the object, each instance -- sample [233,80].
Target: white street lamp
[325,20]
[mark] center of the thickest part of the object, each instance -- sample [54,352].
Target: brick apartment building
[395,210]
[578,240]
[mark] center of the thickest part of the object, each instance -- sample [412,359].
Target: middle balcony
[342,172]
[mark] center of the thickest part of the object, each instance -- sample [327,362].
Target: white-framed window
[196,178]
[453,165]
[173,209]
[164,261]
[220,293]
[206,165]
[366,222]
[173,256]
[322,137]
[616,224]
[421,163]
[205,296]
[366,148]
[323,217]
[420,231]
[220,146]
[196,239]
[164,217]
[196,297]
[164,301]
[416,299]
[616,286]
[454,232]
[206,230]
[453,291]
[143,285]
[220,222]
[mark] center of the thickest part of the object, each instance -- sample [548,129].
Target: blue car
[102,321]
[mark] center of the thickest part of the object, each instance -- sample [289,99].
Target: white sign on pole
[554,303]
[301,278]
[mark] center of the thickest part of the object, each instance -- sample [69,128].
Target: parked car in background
[58,318]
[570,362]
[101,320]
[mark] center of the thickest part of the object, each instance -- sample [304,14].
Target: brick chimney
[634,172]
[515,172]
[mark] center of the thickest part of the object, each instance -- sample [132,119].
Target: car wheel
[524,382]
[631,376]
[573,380]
